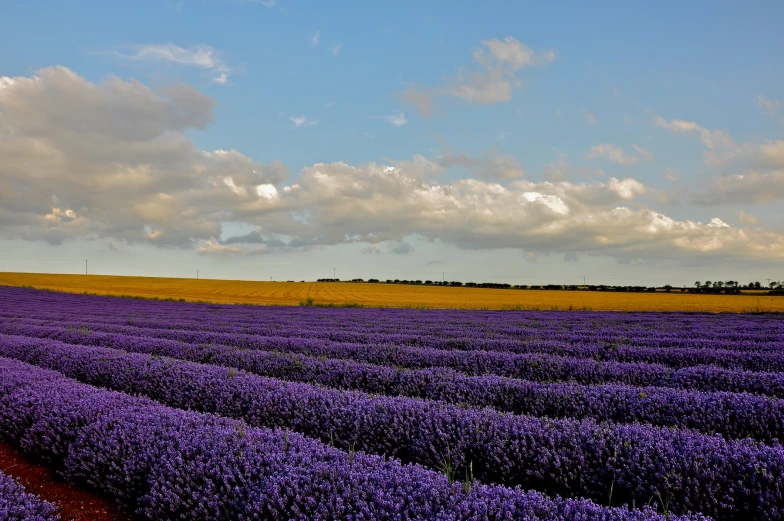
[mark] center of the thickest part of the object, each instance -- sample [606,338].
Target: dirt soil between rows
[75,502]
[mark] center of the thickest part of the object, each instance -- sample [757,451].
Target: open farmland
[206,411]
[389,295]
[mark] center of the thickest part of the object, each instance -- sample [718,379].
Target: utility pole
[442,277]
[583,280]
[85,267]
[333,274]
[768,282]
[197,274]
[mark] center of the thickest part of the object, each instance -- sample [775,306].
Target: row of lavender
[733,415]
[451,328]
[605,330]
[631,464]
[533,367]
[164,463]
[737,358]
[18,505]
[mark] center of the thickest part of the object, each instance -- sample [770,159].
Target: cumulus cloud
[589,117]
[111,160]
[749,187]
[315,40]
[711,139]
[617,155]
[746,172]
[335,48]
[373,203]
[202,56]
[493,79]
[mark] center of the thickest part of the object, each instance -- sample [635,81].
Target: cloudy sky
[488,141]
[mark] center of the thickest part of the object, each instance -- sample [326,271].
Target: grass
[357,295]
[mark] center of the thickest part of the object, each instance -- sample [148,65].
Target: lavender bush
[168,464]
[566,457]
[732,415]
[313,413]
[18,505]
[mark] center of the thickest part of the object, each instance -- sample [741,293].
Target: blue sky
[546,119]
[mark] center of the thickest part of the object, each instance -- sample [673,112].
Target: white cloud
[617,155]
[215,248]
[335,48]
[302,121]
[494,80]
[375,203]
[202,56]
[315,40]
[509,51]
[771,106]
[710,138]
[749,187]
[589,117]
[627,119]
[397,119]
[111,160]
[746,172]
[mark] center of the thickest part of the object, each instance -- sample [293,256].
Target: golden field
[391,295]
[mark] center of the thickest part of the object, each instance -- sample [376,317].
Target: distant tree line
[729,287]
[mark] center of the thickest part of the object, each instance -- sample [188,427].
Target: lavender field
[200,411]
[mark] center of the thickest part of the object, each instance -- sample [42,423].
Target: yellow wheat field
[392,295]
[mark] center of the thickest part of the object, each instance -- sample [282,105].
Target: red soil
[75,503]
